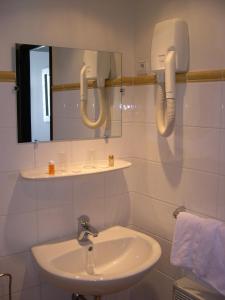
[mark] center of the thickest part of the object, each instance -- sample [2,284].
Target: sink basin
[115,260]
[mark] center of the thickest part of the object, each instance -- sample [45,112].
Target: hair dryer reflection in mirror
[96,66]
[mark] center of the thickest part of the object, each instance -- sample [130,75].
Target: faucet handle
[84,221]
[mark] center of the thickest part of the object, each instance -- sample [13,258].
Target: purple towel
[199,245]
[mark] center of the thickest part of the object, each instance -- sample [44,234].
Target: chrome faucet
[85,229]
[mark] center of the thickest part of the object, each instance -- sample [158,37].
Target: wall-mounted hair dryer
[96,66]
[169,55]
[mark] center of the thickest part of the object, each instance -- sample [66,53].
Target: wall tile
[117,210]
[221,199]
[198,152]
[196,190]
[162,182]
[222,152]
[17,195]
[55,223]
[200,104]
[200,192]
[222,120]
[31,293]
[23,271]
[152,215]
[51,292]
[130,174]
[89,187]
[137,133]
[89,199]
[162,149]
[8,116]
[14,156]
[137,176]
[180,102]
[17,233]
[155,286]
[124,295]
[115,183]
[54,193]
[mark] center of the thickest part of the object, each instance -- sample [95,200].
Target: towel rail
[10,283]
[179,210]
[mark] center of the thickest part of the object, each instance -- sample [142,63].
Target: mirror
[67,94]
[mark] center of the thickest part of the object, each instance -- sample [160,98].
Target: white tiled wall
[67,120]
[184,169]
[206,37]
[32,212]
[187,168]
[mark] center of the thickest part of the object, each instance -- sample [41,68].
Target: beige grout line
[193,76]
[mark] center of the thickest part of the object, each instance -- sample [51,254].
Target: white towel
[199,245]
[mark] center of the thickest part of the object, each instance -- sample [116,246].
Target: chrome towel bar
[179,210]
[10,283]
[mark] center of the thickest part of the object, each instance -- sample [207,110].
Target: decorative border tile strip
[65,87]
[7,76]
[193,76]
[205,76]
[143,80]
[91,84]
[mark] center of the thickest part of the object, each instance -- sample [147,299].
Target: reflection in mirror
[66,94]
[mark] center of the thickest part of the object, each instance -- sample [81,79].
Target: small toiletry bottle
[111,160]
[51,168]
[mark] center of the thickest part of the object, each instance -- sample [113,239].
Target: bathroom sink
[114,260]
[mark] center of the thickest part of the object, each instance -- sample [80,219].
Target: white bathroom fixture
[79,169]
[119,258]
[96,66]
[169,55]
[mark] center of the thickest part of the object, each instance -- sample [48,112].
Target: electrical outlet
[141,67]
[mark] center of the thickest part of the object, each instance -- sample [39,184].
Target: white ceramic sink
[120,257]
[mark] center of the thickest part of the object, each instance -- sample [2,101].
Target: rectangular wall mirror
[67,94]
